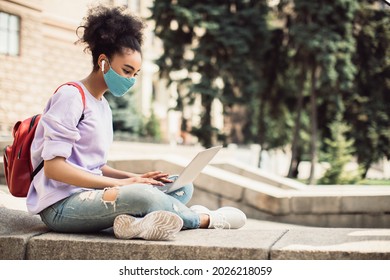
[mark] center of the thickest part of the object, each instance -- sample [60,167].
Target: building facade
[37,54]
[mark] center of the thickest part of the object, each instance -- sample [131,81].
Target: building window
[9,34]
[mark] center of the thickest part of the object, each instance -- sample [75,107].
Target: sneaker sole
[158,225]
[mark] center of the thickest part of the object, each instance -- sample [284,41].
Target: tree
[216,41]
[369,102]
[338,154]
[152,127]
[128,121]
[126,117]
[320,35]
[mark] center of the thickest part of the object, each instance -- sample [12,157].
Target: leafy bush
[338,154]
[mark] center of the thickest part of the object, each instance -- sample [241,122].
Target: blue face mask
[117,84]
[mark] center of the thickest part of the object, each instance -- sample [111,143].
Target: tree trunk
[314,125]
[295,158]
[260,130]
[207,137]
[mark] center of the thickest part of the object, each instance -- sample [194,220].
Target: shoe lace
[220,222]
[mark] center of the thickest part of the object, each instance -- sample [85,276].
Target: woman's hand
[119,174]
[158,176]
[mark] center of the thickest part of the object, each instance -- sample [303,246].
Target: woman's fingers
[157,175]
[150,181]
[151,174]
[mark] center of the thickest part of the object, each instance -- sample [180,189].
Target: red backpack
[18,168]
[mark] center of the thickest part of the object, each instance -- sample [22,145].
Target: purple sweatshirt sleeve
[60,123]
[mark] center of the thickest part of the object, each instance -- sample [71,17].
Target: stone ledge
[259,175]
[16,229]
[333,244]
[188,245]
[25,237]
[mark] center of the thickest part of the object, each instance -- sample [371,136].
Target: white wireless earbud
[103,65]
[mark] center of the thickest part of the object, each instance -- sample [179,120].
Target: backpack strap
[76,85]
[36,170]
[81,92]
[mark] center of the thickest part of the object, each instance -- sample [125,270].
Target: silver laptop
[192,170]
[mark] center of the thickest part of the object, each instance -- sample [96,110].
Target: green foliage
[369,103]
[322,59]
[129,122]
[218,41]
[152,128]
[338,154]
[320,45]
[126,117]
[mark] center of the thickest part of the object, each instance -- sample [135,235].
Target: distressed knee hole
[180,193]
[110,194]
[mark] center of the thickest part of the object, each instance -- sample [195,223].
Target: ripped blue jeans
[88,211]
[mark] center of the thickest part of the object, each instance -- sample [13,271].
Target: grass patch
[367,182]
[377,182]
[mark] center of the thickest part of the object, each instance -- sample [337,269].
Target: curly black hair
[107,30]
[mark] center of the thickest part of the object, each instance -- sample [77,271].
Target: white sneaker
[157,225]
[222,218]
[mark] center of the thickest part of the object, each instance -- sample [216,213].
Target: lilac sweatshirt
[84,145]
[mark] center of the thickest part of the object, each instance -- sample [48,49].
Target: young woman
[76,191]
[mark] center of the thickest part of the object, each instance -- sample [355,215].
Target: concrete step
[25,237]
